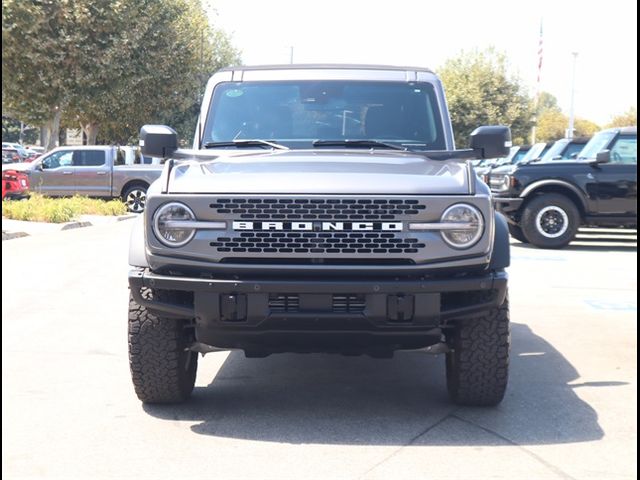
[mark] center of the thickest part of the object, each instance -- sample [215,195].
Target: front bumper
[384,315]
[506,205]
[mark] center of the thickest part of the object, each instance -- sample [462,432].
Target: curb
[12,235]
[7,235]
[70,225]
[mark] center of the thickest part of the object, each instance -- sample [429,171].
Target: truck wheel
[516,232]
[162,370]
[550,221]
[135,197]
[478,365]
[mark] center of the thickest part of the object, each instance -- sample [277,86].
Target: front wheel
[135,197]
[163,370]
[478,365]
[516,232]
[550,220]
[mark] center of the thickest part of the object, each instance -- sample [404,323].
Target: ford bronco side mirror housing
[491,141]
[603,157]
[158,141]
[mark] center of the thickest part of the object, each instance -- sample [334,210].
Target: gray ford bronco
[322,208]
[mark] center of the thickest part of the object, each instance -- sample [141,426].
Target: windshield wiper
[356,143]
[246,143]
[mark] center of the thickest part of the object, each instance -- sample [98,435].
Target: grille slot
[284,303]
[348,303]
[290,303]
[316,209]
[317,242]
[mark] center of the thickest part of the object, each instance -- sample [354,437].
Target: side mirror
[39,166]
[603,157]
[158,141]
[491,141]
[574,155]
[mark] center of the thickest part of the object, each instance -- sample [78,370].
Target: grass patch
[59,210]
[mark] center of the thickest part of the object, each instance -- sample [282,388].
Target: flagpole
[537,97]
[573,95]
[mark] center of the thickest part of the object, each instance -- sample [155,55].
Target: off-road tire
[162,370]
[516,232]
[530,221]
[478,365]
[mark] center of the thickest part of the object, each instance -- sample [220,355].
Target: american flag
[540,50]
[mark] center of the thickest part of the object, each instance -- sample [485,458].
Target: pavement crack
[536,457]
[409,443]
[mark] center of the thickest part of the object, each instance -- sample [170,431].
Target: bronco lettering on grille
[320,226]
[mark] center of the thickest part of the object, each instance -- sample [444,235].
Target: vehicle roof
[580,139]
[326,66]
[85,147]
[623,130]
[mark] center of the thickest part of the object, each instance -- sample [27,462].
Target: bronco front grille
[333,228]
[317,242]
[316,208]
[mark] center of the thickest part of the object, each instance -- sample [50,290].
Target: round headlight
[471,224]
[500,183]
[166,224]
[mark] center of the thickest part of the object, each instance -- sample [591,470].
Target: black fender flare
[501,254]
[572,191]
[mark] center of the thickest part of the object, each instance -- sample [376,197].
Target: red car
[15,185]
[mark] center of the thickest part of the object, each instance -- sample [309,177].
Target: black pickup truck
[546,202]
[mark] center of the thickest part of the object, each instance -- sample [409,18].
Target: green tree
[546,101]
[11,132]
[552,125]
[626,119]
[113,65]
[481,91]
[585,128]
[35,44]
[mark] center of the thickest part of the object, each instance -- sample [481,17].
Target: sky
[426,33]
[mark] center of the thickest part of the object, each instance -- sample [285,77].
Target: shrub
[59,210]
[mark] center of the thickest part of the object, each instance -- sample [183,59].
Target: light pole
[573,95]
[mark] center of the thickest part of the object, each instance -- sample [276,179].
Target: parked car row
[546,201]
[96,171]
[19,153]
[10,155]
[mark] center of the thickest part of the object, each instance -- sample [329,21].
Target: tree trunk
[51,129]
[91,131]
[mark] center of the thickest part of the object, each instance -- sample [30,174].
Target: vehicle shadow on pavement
[329,399]
[584,246]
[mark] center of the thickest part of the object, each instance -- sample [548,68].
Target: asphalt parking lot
[69,409]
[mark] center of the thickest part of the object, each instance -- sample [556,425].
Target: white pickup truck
[95,171]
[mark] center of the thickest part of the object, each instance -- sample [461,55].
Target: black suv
[564,149]
[546,202]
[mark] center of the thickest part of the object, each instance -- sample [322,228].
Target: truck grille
[346,241]
[290,303]
[317,242]
[316,209]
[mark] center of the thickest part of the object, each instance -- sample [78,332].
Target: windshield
[533,152]
[555,151]
[513,151]
[296,113]
[598,143]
